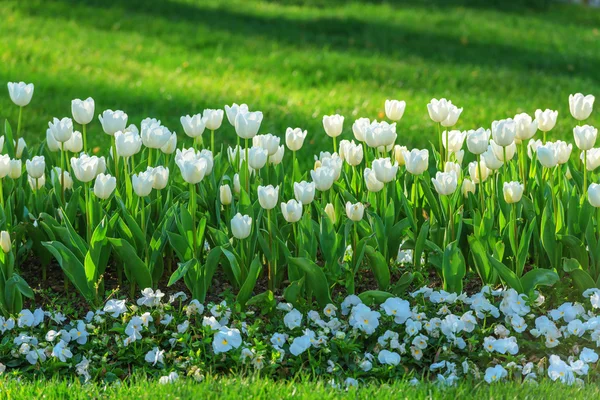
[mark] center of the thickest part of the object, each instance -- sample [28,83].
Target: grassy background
[260,388]
[297,61]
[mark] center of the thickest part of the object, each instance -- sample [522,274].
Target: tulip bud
[75,144]
[359,128]
[593,196]
[453,114]
[19,147]
[127,143]
[394,109]
[467,187]
[61,129]
[330,212]
[142,183]
[371,181]
[384,170]
[304,192]
[323,178]
[83,110]
[5,241]
[214,118]
[241,226]
[513,191]
[292,211]
[546,119]
[277,158]
[104,186]
[38,183]
[267,196]
[438,109]
[20,93]
[193,126]
[474,171]
[268,142]
[36,166]
[532,147]
[15,169]
[113,121]
[294,138]
[445,183]
[51,143]
[453,167]
[525,127]
[593,158]
[57,174]
[581,106]
[355,211]
[333,125]
[4,165]
[455,140]
[399,154]
[247,124]
[236,184]
[225,195]
[585,136]
[234,110]
[257,157]
[160,176]
[478,140]
[416,160]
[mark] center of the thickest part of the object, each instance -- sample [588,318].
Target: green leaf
[19,283]
[315,279]
[582,279]
[246,290]
[379,266]
[132,263]
[420,242]
[484,268]
[293,291]
[453,268]
[549,236]
[538,277]
[506,274]
[9,140]
[371,297]
[72,267]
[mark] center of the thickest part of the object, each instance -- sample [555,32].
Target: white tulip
[38,183]
[323,178]
[380,135]
[257,157]
[113,121]
[385,171]
[277,158]
[304,192]
[532,147]
[500,151]
[5,241]
[490,158]
[445,183]
[468,187]
[394,109]
[171,144]
[333,125]
[213,118]
[593,158]
[546,119]
[104,186]
[525,126]
[292,211]
[373,184]
[61,129]
[593,196]
[453,167]
[233,153]
[193,169]
[36,166]
[359,128]
[83,110]
[585,136]
[233,110]
[581,106]
[416,160]
[247,124]
[241,226]
[438,109]
[563,151]
[52,144]
[474,169]
[19,147]
[160,176]
[355,211]
[142,183]
[127,143]
[4,165]
[15,169]
[154,135]
[478,140]
[455,138]
[513,191]
[330,212]
[354,153]
[193,126]
[453,114]
[268,142]
[20,93]
[267,196]
[57,175]
[75,144]
[236,184]
[225,195]
[398,153]
[547,155]
[504,132]
[294,138]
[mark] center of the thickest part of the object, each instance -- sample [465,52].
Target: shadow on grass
[341,34]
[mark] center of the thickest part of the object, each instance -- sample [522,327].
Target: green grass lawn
[297,62]
[235,388]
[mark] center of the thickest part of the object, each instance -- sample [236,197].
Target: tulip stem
[272,262]
[365,153]
[293,166]
[505,163]
[192,209]
[480,183]
[238,155]
[2,193]
[334,144]
[584,174]
[516,234]
[114,151]
[83,128]
[247,169]
[441,146]
[149,157]
[18,131]
[446,151]
[523,165]
[88,230]
[62,173]
[212,141]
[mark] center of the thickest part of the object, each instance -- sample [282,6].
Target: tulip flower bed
[322,266]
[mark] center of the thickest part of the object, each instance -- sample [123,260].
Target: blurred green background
[299,60]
